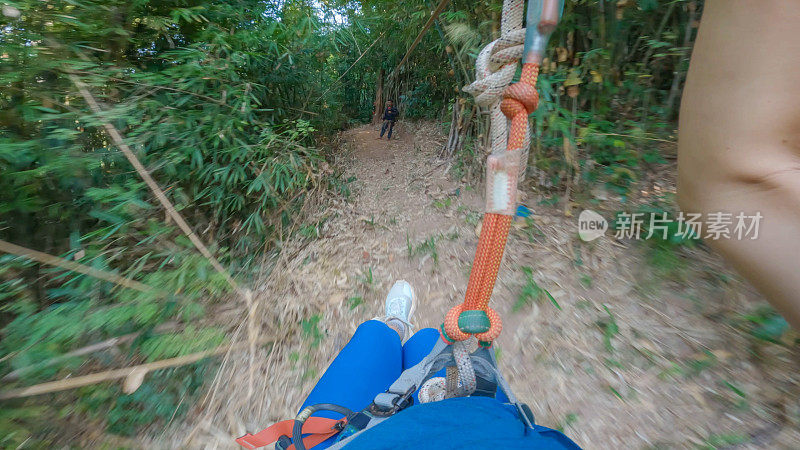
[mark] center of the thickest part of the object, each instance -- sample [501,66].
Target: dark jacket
[390,113]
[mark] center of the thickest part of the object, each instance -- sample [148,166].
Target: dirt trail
[628,361]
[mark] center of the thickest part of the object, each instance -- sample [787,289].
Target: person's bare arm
[739,138]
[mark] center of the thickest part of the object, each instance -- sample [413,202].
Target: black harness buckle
[399,403]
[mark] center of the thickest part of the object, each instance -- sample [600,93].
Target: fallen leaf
[722,355]
[573,91]
[133,381]
[573,79]
[336,298]
[562,54]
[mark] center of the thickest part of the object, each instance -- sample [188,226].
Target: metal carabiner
[540,22]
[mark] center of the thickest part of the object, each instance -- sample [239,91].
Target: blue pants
[372,360]
[390,124]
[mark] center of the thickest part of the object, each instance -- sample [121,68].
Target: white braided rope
[494,70]
[435,389]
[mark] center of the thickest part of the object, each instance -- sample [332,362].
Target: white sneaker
[400,305]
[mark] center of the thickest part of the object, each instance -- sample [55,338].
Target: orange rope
[519,101]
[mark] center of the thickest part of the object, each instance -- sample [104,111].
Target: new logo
[591,225]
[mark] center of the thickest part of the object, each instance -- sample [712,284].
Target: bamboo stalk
[99,377]
[431,19]
[45,258]
[348,69]
[116,136]
[96,347]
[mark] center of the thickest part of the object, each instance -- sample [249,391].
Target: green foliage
[472,217]
[443,203]
[469,161]
[610,329]
[764,324]
[695,366]
[727,440]
[163,395]
[354,302]
[691,367]
[341,186]
[310,230]
[186,342]
[532,292]
[531,230]
[15,424]
[568,421]
[609,88]
[664,236]
[367,279]
[210,98]
[427,246]
[311,329]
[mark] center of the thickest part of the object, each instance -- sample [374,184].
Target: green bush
[205,94]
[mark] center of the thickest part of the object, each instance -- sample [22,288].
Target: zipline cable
[348,69]
[439,8]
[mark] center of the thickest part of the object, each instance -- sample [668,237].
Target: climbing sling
[468,373]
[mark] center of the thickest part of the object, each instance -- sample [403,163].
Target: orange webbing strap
[316,430]
[519,100]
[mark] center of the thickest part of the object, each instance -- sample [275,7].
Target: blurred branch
[73,266]
[167,88]
[16,374]
[431,19]
[86,380]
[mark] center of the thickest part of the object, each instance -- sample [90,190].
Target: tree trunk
[376,114]
[675,90]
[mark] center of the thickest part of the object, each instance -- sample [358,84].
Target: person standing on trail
[390,114]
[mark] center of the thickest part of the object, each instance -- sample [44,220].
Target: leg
[383,128]
[417,347]
[365,367]
[370,362]
[391,127]
[739,140]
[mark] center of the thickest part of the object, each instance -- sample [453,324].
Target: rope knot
[451,332]
[519,98]
[497,62]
